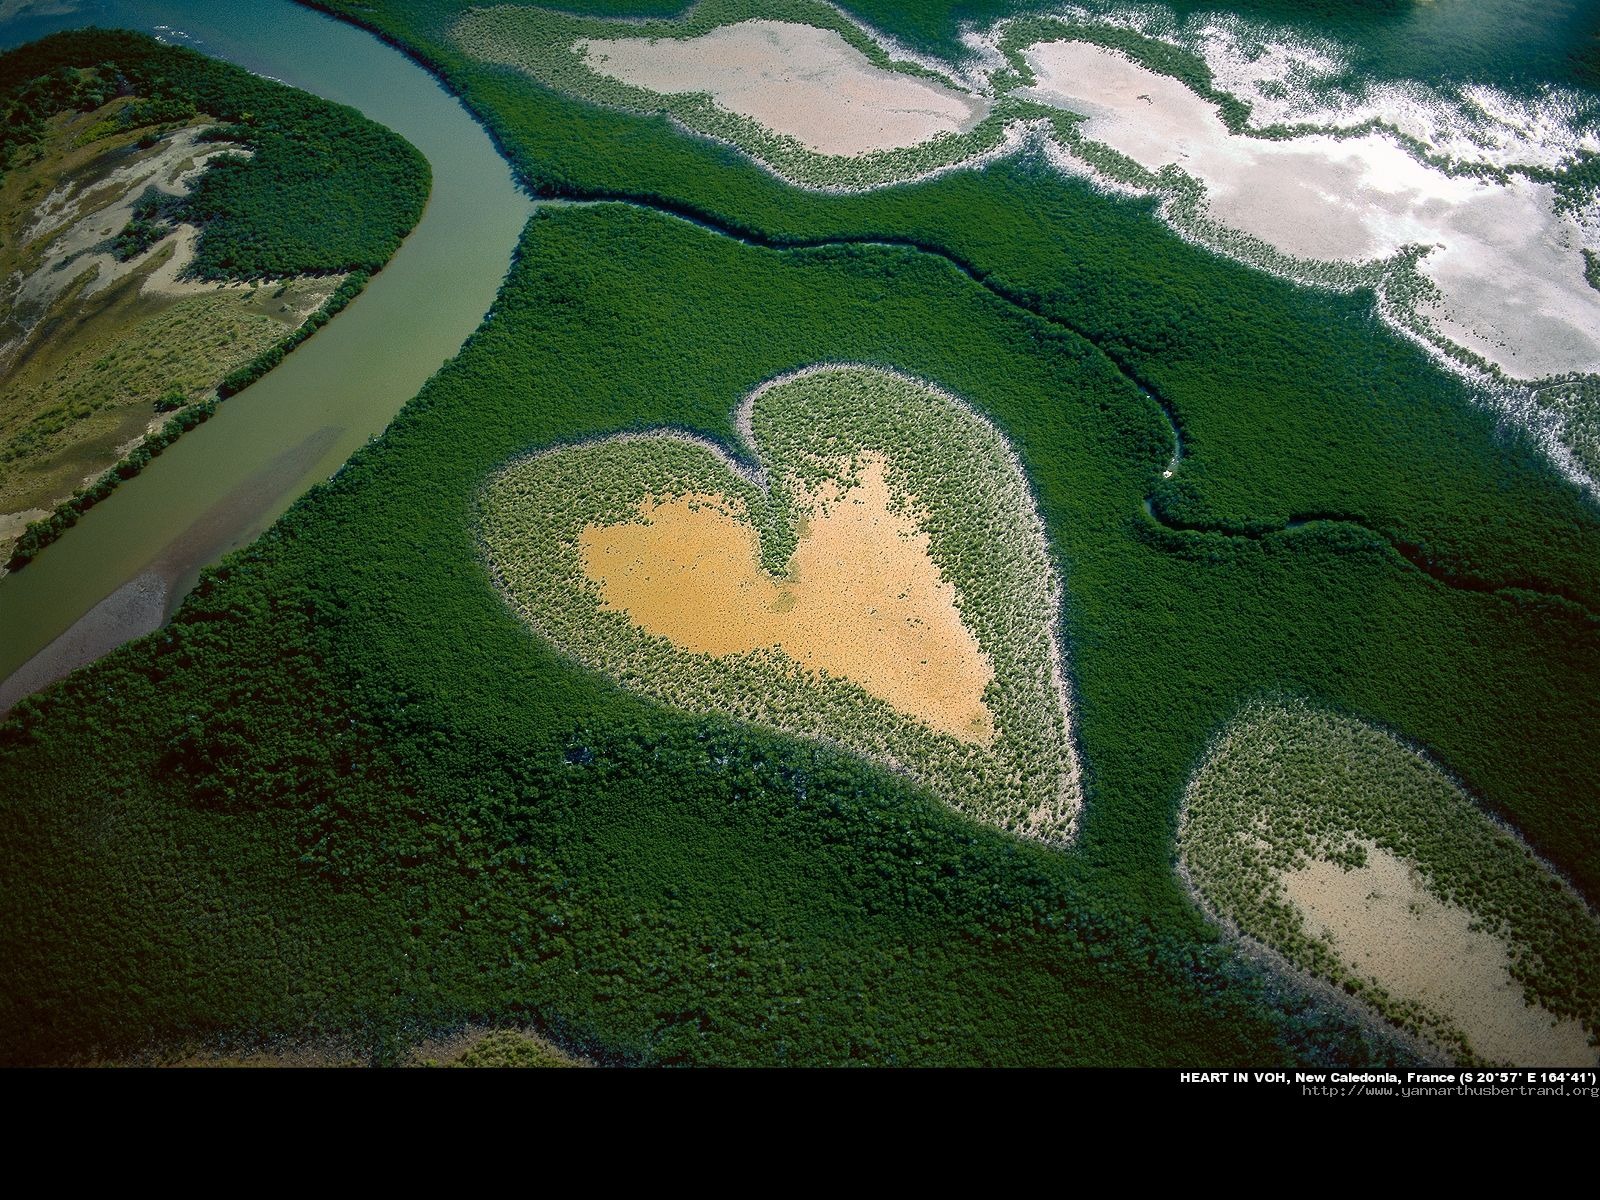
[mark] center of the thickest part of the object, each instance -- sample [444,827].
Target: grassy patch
[71,405]
[508,1048]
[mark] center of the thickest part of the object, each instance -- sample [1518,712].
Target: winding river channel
[126,566]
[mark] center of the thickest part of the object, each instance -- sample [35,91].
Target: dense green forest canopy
[348,794]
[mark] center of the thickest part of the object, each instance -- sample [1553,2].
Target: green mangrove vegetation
[316,190]
[395,775]
[323,190]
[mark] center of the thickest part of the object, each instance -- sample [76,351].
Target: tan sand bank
[1387,926]
[794,79]
[863,599]
[12,524]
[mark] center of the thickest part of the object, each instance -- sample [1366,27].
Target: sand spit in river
[1509,269]
[134,609]
[1388,926]
[863,599]
[794,79]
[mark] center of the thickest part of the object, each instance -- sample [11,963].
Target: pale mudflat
[1387,926]
[794,79]
[1509,268]
[66,239]
[863,599]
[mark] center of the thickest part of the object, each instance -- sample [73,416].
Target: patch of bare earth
[863,599]
[794,79]
[1387,926]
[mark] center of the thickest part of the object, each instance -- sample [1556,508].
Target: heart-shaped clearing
[861,599]
[880,580]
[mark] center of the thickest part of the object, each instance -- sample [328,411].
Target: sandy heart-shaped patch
[879,579]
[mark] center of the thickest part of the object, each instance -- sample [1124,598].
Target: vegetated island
[1359,861]
[170,227]
[879,579]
